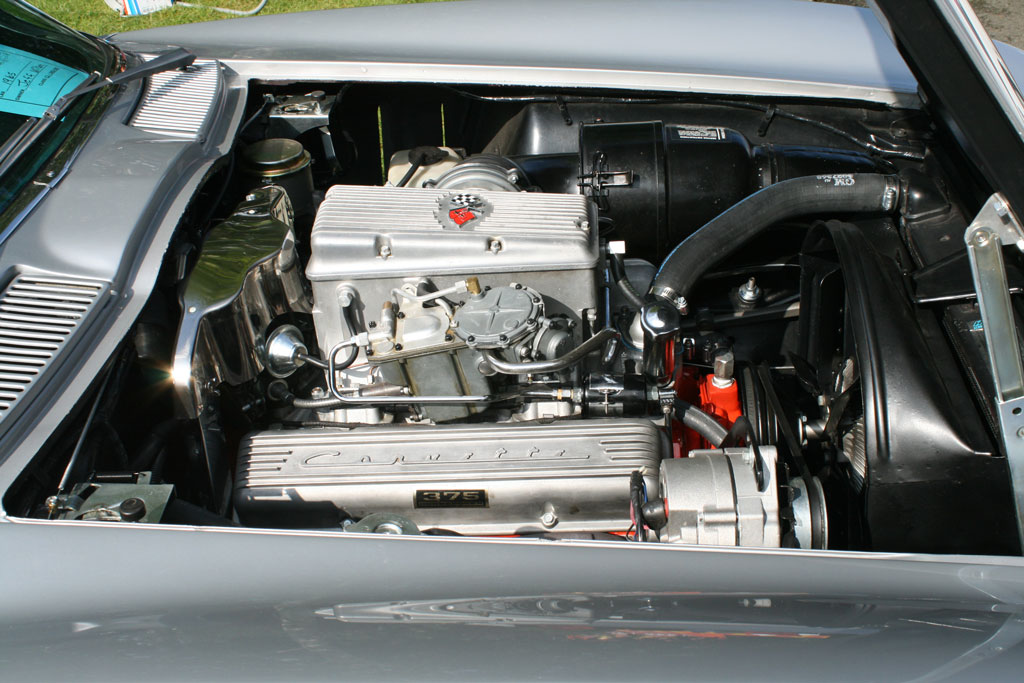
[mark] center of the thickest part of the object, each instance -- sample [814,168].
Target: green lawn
[94,16]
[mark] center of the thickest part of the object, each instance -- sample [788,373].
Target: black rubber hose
[618,269]
[700,422]
[326,403]
[353,353]
[810,195]
[408,174]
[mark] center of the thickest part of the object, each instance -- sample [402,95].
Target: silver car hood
[769,47]
[182,603]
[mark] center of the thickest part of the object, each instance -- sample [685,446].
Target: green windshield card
[29,84]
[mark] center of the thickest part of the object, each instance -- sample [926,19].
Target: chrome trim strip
[482,74]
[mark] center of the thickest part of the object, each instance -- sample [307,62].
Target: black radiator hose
[700,422]
[809,195]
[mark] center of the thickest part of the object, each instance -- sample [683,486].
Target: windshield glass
[40,60]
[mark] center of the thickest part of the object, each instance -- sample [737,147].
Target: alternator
[722,497]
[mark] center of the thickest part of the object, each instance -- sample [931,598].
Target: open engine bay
[501,312]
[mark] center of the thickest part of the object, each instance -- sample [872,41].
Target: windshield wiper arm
[175,59]
[32,129]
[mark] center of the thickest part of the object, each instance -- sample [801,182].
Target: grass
[94,16]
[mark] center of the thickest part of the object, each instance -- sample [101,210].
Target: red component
[461,215]
[721,402]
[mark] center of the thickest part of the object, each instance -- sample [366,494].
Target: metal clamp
[994,226]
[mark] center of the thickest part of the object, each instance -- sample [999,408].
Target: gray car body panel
[112,602]
[111,217]
[107,603]
[769,48]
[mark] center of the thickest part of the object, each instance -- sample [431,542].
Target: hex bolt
[372,324]
[470,339]
[398,347]
[503,338]
[400,315]
[549,519]
[494,246]
[448,337]
[346,295]
[724,364]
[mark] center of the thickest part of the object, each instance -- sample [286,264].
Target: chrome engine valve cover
[471,479]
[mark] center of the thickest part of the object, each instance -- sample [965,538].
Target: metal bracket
[596,183]
[995,226]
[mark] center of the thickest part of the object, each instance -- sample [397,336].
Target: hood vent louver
[37,316]
[179,103]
